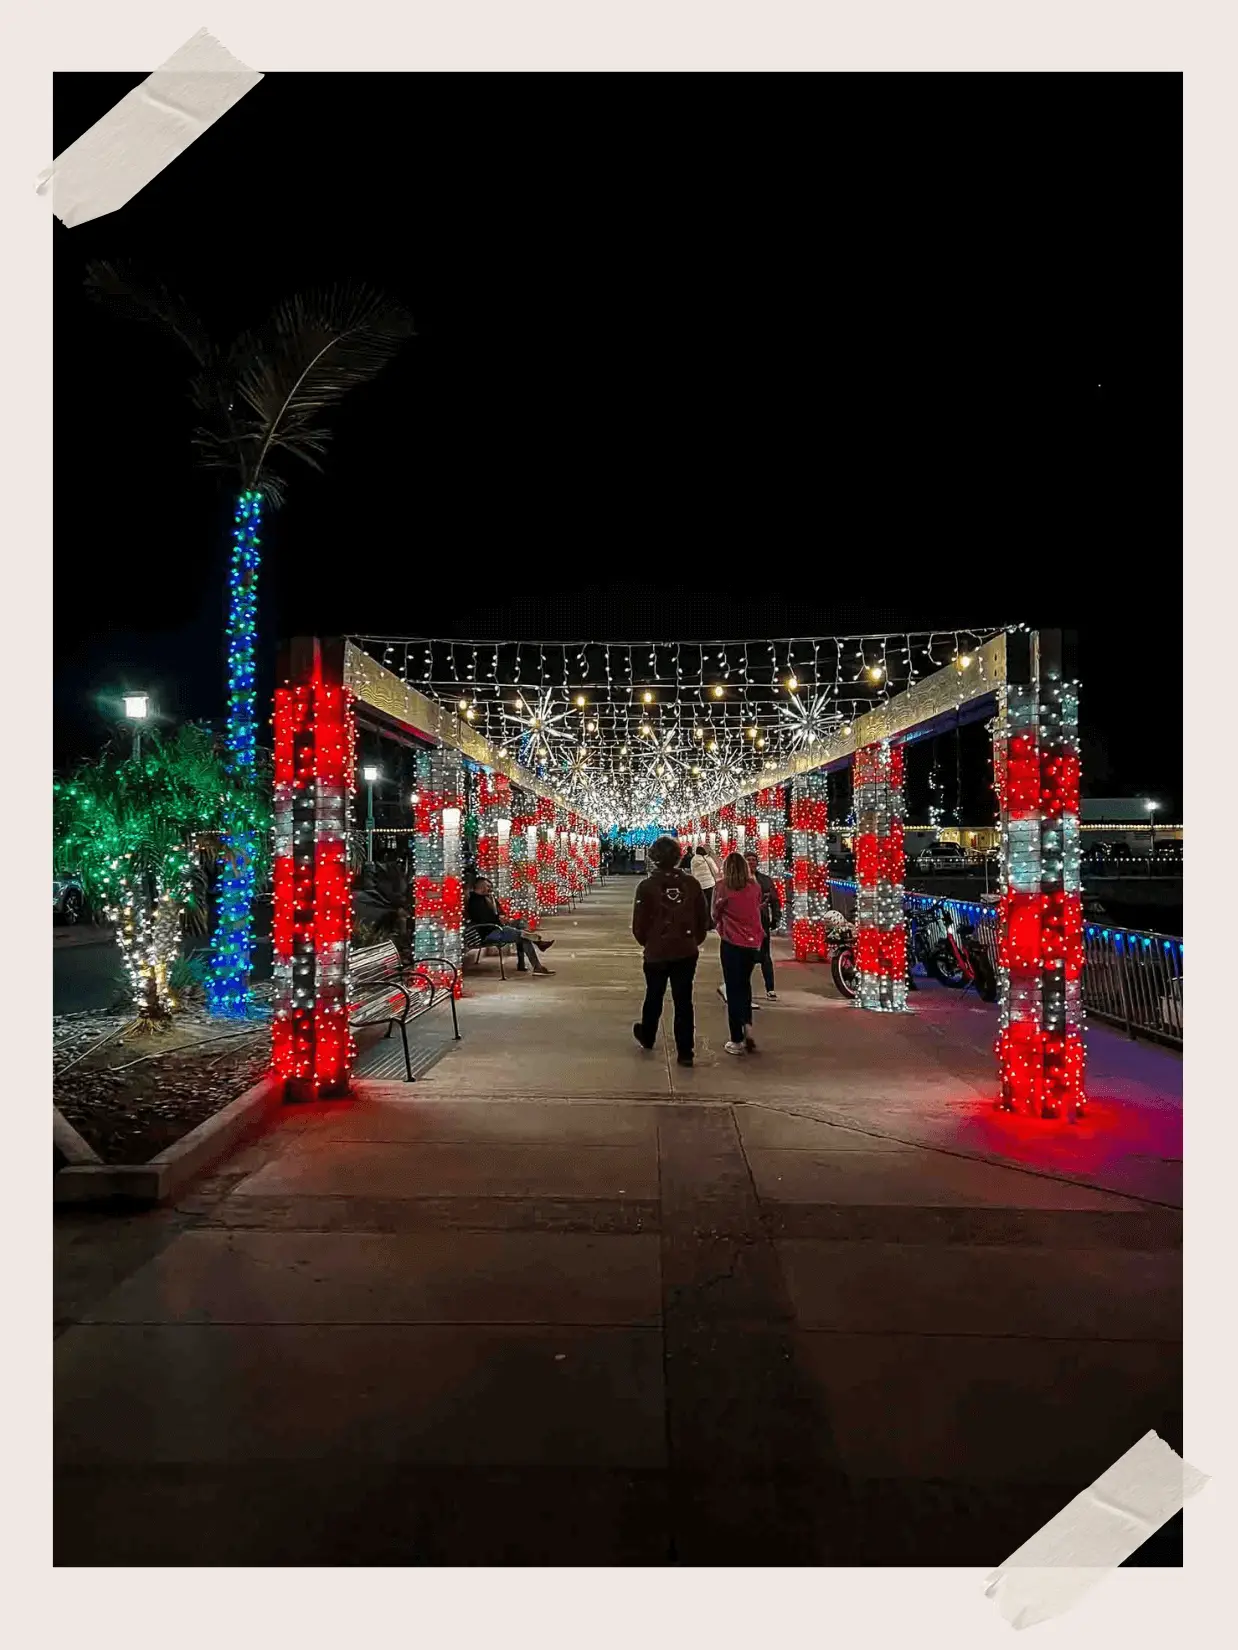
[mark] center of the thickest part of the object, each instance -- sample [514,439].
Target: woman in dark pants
[737,917]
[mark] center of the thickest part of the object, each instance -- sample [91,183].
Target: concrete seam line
[1094,1533]
[150,126]
[70,1143]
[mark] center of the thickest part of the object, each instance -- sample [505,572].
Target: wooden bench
[383,987]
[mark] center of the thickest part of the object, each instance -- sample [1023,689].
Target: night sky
[696,356]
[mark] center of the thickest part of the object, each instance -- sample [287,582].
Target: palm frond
[137,297]
[315,348]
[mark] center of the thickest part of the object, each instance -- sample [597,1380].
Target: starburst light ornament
[809,720]
[541,722]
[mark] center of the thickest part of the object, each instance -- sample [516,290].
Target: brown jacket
[669,916]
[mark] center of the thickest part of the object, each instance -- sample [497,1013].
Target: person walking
[669,921]
[737,917]
[705,870]
[771,916]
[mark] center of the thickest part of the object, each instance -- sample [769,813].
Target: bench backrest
[371,966]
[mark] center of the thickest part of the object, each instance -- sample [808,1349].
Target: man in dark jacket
[670,920]
[482,913]
[771,916]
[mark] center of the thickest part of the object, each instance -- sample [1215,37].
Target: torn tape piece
[1094,1533]
[146,131]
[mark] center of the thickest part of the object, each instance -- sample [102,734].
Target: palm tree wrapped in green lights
[260,401]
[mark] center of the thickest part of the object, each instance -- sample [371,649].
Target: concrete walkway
[563,1301]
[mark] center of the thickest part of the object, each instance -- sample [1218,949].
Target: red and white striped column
[881,935]
[810,872]
[1040,1049]
[315,737]
[438,887]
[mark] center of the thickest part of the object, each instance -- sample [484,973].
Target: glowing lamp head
[415,798]
[792,683]
[647,696]
[137,706]
[580,701]
[718,690]
[876,672]
[370,775]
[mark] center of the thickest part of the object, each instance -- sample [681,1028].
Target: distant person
[705,869]
[737,917]
[482,911]
[669,920]
[771,916]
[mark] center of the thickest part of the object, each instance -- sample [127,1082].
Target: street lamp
[1151,807]
[137,709]
[370,775]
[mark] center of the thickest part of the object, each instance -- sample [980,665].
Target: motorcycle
[954,954]
[840,942]
[954,959]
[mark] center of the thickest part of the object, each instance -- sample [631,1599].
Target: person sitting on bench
[484,915]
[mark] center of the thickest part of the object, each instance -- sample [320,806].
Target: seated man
[482,912]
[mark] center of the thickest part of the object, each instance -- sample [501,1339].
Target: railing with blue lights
[1131,978]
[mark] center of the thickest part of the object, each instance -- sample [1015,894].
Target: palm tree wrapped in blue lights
[260,400]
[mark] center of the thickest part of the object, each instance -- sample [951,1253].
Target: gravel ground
[131,1098]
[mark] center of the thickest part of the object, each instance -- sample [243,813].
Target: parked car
[942,856]
[1167,853]
[1097,853]
[68,900]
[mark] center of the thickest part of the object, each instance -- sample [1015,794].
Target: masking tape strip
[1094,1533]
[146,131]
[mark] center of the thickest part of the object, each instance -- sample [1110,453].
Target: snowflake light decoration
[810,720]
[541,723]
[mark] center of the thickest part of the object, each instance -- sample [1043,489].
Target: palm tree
[129,829]
[260,401]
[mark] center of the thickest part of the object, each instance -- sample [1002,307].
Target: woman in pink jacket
[737,917]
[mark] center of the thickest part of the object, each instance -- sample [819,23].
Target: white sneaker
[771,996]
[734,1048]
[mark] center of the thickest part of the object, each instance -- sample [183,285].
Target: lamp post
[137,709]
[370,775]
[1152,807]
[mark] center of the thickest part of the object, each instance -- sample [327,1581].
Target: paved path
[562,1301]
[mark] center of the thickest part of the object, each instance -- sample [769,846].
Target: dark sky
[696,355]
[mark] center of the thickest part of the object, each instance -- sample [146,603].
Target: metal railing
[1131,978]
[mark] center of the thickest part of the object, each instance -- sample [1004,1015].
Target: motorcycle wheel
[845,974]
[943,965]
[986,979]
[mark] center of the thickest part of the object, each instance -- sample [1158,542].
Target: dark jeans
[709,904]
[738,961]
[680,974]
[767,962]
[512,936]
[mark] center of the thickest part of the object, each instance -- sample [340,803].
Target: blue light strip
[232,942]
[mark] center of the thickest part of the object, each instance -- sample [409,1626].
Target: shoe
[683,1060]
[636,1032]
[543,945]
[749,1044]
[734,1048]
[522,969]
[543,970]
[771,996]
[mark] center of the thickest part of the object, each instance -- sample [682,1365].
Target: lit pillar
[494,791]
[314,735]
[771,809]
[547,888]
[881,938]
[437,885]
[810,863]
[1040,916]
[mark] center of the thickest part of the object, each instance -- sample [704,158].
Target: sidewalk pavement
[563,1301]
